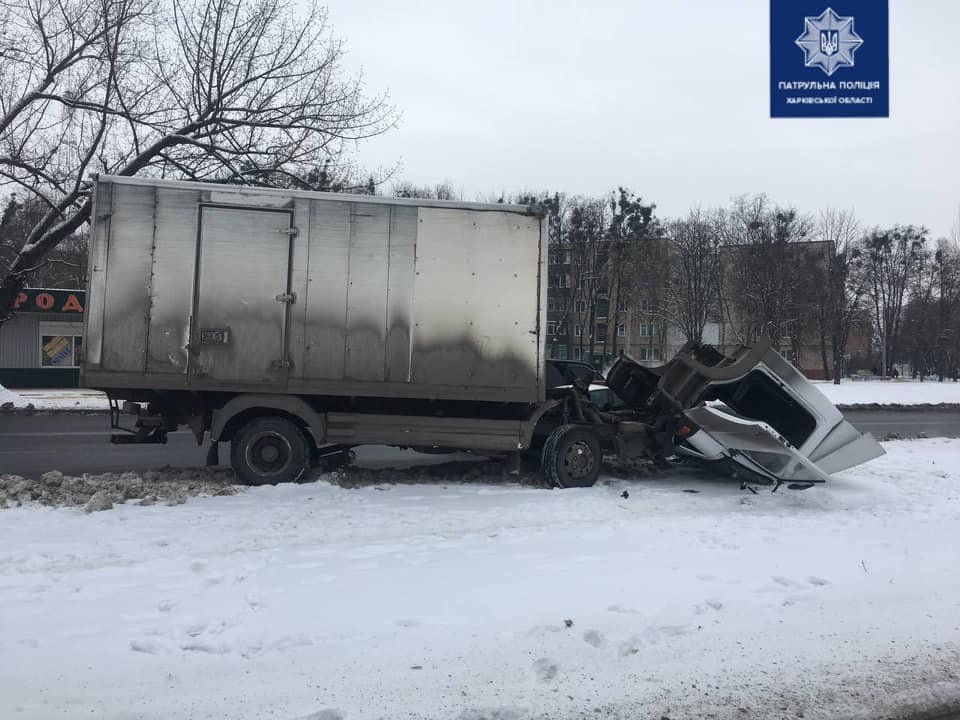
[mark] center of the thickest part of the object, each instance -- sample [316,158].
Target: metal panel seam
[153,255]
[191,321]
[411,333]
[386,305]
[308,237]
[346,305]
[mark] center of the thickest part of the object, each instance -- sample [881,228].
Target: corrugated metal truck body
[224,288]
[297,325]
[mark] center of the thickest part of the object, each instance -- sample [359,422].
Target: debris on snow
[545,669]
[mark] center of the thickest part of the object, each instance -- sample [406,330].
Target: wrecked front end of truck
[750,412]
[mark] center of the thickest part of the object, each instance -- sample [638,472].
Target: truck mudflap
[751,409]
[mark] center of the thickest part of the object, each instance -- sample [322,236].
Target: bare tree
[761,267]
[840,285]
[889,257]
[244,91]
[586,228]
[630,241]
[920,321]
[64,267]
[946,261]
[690,294]
[440,191]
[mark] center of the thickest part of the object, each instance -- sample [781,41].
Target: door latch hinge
[286,298]
[291,231]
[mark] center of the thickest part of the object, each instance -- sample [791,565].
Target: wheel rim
[268,453]
[578,460]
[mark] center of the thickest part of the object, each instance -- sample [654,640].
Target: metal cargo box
[213,287]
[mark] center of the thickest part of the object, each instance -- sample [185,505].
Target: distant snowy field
[494,601]
[891,392]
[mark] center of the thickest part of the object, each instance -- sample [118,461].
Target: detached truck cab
[295,325]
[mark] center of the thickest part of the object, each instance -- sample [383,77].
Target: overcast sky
[667,97]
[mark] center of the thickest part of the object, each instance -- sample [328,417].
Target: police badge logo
[828,41]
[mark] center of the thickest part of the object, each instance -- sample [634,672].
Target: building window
[564,280]
[649,353]
[551,328]
[562,329]
[621,305]
[551,304]
[578,353]
[578,330]
[622,330]
[603,309]
[581,307]
[601,332]
[648,329]
[60,351]
[561,352]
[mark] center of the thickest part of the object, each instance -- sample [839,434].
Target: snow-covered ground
[891,392]
[9,396]
[676,596]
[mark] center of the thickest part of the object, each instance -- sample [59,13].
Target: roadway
[75,443]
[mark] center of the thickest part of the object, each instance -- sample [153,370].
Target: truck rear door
[242,300]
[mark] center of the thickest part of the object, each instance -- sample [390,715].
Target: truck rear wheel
[269,450]
[572,457]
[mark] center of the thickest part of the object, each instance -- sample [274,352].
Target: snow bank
[670,596]
[101,492]
[9,396]
[62,399]
[891,392]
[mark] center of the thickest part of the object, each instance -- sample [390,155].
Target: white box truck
[296,325]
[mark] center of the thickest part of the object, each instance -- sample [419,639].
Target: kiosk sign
[829,58]
[42,300]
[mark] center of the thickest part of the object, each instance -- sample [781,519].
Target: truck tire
[269,450]
[572,457]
